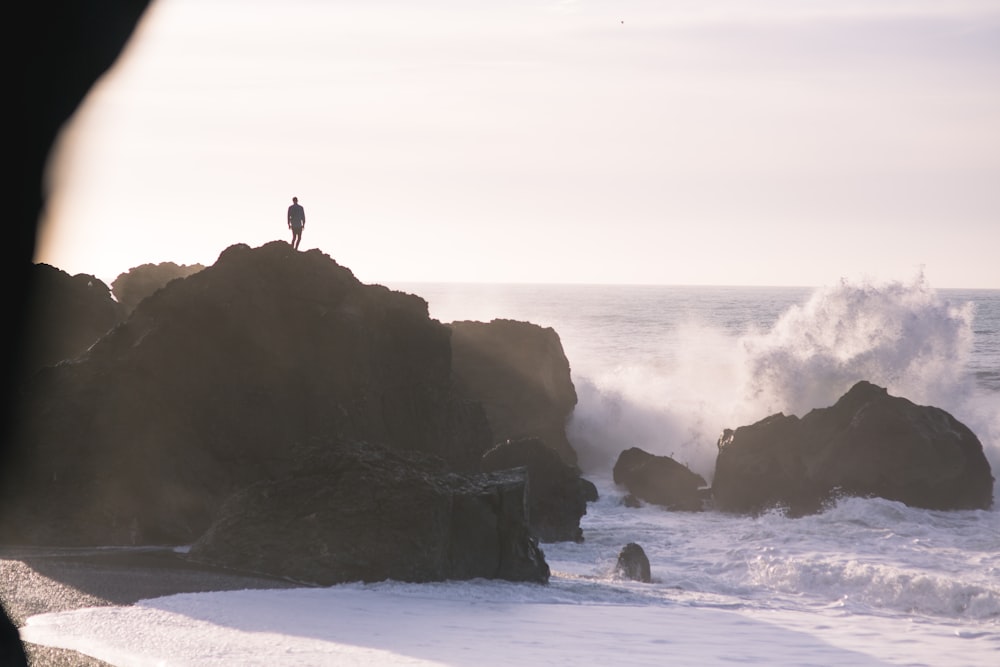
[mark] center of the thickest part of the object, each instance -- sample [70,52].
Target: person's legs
[296,237]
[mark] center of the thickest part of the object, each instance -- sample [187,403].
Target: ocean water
[867,582]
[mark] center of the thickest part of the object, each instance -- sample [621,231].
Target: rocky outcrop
[363,513]
[76,46]
[519,372]
[659,480]
[868,444]
[557,495]
[633,564]
[68,315]
[205,386]
[760,466]
[139,282]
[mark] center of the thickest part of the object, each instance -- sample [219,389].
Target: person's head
[295,200]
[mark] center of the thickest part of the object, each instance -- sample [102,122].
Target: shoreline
[40,580]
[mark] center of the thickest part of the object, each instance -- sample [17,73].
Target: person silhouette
[296,221]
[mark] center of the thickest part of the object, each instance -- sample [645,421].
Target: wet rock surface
[557,494]
[659,480]
[363,513]
[869,444]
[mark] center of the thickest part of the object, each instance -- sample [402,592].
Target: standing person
[296,221]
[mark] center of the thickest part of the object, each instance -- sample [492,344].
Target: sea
[666,369]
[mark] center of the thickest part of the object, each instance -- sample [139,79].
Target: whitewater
[866,582]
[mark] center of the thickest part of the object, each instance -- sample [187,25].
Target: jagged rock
[633,564]
[364,513]
[519,372]
[557,495]
[201,391]
[659,480]
[68,315]
[139,282]
[868,444]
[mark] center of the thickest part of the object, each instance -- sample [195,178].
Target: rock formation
[139,282]
[205,387]
[659,480]
[760,466]
[364,513]
[557,495]
[520,374]
[633,564]
[68,314]
[868,444]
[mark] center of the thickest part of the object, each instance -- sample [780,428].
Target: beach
[37,580]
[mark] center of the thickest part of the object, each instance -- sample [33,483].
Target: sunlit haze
[777,142]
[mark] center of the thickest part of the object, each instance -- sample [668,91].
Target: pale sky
[778,142]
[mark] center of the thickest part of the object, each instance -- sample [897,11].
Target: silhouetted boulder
[519,372]
[633,564]
[760,466]
[868,444]
[139,282]
[557,495]
[659,480]
[201,391]
[68,315]
[364,513]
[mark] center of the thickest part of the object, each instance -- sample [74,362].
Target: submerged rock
[364,513]
[659,480]
[868,444]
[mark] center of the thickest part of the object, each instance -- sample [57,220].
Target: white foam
[675,397]
[904,337]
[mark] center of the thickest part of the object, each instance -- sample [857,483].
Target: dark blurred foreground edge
[59,48]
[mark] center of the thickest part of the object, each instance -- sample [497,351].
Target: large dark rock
[68,315]
[202,389]
[633,564]
[659,480]
[364,513]
[139,282]
[760,467]
[868,444]
[519,372]
[557,495]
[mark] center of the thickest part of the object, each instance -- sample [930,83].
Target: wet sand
[37,580]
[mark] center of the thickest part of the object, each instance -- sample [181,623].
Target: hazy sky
[778,142]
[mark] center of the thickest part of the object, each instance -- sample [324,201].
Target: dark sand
[40,580]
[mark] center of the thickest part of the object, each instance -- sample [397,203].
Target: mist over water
[668,368]
[903,337]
